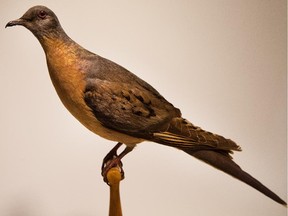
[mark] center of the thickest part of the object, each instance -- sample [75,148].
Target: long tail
[227,165]
[210,148]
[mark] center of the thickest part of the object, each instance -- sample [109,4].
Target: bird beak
[19,21]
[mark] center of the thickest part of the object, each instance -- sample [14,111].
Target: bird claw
[112,159]
[109,163]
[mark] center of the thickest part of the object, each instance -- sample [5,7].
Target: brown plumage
[117,105]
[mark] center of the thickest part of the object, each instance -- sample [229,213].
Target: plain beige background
[222,62]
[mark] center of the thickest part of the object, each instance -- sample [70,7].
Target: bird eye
[42,14]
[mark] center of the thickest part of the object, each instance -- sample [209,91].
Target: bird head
[40,20]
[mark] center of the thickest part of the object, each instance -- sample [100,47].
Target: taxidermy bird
[119,106]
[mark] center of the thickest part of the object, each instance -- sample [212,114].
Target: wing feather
[127,108]
[184,135]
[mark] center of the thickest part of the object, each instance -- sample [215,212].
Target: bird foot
[107,165]
[110,163]
[112,159]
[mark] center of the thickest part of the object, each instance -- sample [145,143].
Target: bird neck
[61,53]
[54,40]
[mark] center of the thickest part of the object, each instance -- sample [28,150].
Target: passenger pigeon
[119,106]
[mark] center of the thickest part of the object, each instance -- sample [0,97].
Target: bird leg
[112,159]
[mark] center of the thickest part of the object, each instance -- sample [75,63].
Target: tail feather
[226,164]
[210,148]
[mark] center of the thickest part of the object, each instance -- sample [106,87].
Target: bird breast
[70,81]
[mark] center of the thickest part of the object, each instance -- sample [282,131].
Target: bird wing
[134,110]
[128,108]
[123,102]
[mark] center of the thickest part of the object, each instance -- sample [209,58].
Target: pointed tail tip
[227,165]
[278,200]
[283,203]
[275,197]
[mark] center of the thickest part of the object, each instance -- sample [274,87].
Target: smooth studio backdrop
[222,62]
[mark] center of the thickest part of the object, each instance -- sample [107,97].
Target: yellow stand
[114,178]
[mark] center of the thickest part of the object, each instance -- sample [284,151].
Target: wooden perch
[114,178]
